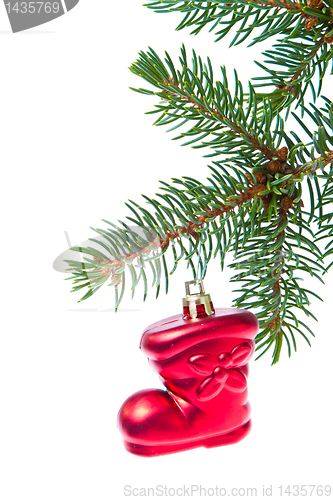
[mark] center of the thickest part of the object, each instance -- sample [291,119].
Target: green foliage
[218,119]
[136,249]
[270,267]
[251,205]
[272,17]
[293,60]
[223,15]
[291,66]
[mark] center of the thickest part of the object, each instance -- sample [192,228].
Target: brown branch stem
[289,86]
[276,287]
[190,228]
[215,114]
[309,169]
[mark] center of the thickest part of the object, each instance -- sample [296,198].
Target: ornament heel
[221,440]
[229,438]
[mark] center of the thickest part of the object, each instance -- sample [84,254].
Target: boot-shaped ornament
[202,358]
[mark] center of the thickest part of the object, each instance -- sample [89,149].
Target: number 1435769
[33,7]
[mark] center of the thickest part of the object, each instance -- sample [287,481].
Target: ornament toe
[151,416]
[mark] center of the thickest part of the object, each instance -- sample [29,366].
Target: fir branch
[274,16]
[269,261]
[257,212]
[307,29]
[251,205]
[240,122]
[127,249]
[291,66]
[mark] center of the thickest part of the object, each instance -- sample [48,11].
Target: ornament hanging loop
[198,304]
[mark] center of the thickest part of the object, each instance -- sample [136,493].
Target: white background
[75,144]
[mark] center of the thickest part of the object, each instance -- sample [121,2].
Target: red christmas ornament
[201,357]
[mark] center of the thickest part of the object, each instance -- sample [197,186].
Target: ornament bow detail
[221,371]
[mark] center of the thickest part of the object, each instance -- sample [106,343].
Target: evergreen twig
[251,205]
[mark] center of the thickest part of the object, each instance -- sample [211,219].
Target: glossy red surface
[202,363]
